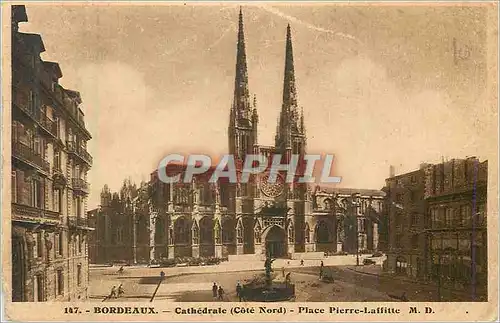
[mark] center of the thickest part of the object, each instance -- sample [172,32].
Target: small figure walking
[120,291]
[214,291]
[302,262]
[283,271]
[120,271]
[288,279]
[221,293]
[320,272]
[239,289]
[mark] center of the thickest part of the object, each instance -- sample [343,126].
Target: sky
[380,85]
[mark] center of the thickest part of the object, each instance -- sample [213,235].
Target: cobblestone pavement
[351,283]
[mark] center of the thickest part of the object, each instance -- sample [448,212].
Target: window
[435,219]
[38,245]
[60,282]
[398,240]
[80,244]
[38,288]
[415,219]
[414,241]
[448,217]
[36,193]
[307,233]
[56,244]
[57,200]
[61,246]
[32,101]
[57,160]
[79,275]
[14,186]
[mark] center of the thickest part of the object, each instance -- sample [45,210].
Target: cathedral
[259,219]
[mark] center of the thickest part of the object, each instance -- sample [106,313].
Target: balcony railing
[30,213]
[80,185]
[80,152]
[78,222]
[26,154]
[37,115]
[47,124]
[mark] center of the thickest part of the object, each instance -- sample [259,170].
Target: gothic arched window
[206,230]
[181,231]
[227,230]
[322,234]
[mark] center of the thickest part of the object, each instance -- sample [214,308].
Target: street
[195,283]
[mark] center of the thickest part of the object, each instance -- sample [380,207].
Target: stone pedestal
[218,250]
[259,249]
[240,249]
[195,251]
[171,252]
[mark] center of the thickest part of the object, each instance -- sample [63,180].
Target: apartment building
[49,177]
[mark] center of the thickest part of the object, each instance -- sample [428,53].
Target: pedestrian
[120,291]
[239,290]
[120,271]
[112,294]
[287,278]
[322,264]
[214,291]
[221,293]
[302,262]
[283,271]
[320,272]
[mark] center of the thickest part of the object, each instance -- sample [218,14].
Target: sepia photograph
[250,153]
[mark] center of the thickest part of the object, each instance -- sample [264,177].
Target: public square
[194,284]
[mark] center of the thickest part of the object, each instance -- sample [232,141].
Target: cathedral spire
[289,115]
[241,101]
[289,91]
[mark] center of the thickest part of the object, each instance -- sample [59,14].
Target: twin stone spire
[290,131]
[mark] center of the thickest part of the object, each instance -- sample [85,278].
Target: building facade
[202,219]
[49,170]
[437,223]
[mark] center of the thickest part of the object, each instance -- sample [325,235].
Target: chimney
[392,171]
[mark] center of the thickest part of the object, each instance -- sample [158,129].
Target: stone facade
[49,171]
[438,222]
[202,219]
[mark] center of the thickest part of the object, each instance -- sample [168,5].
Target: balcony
[79,152]
[48,126]
[25,154]
[30,214]
[77,222]
[80,185]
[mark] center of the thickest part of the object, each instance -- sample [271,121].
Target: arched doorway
[275,242]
